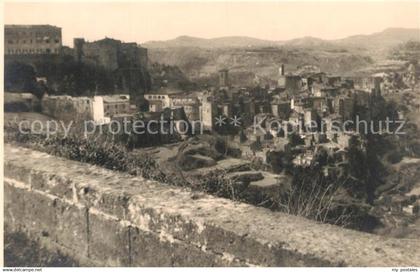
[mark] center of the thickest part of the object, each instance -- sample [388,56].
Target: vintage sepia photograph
[211,134]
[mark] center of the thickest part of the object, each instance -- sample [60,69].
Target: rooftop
[30,26]
[116,98]
[167,91]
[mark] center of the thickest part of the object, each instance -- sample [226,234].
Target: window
[57,40]
[10,41]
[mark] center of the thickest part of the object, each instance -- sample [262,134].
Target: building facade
[32,39]
[116,105]
[190,104]
[100,109]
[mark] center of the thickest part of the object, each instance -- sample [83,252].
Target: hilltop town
[305,135]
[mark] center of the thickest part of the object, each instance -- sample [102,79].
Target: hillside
[248,65]
[252,60]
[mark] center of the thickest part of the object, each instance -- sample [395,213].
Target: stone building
[118,104]
[189,103]
[67,108]
[127,61]
[344,106]
[173,99]
[161,99]
[98,108]
[32,39]
[110,53]
[371,84]
[293,84]
[280,109]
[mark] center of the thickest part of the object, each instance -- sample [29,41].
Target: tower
[78,48]
[281,70]
[281,83]
[207,112]
[377,86]
[98,109]
[224,78]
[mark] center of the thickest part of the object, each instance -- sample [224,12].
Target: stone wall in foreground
[104,218]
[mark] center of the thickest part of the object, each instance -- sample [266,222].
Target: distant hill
[308,41]
[187,41]
[386,38]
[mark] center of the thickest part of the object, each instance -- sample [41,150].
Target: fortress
[110,53]
[127,61]
[41,46]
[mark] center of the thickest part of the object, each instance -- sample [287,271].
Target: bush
[103,153]
[395,157]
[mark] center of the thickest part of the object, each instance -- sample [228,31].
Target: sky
[144,21]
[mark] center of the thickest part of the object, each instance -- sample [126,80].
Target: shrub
[395,157]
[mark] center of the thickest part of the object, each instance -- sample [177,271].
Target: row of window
[189,108]
[32,51]
[31,33]
[38,40]
[116,106]
[182,100]
[175,100]
[155,97]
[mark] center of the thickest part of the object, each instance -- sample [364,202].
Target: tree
[256,146]
[242,137]
[295,139]
[19,76]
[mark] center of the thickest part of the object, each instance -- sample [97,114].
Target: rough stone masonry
[105,218]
